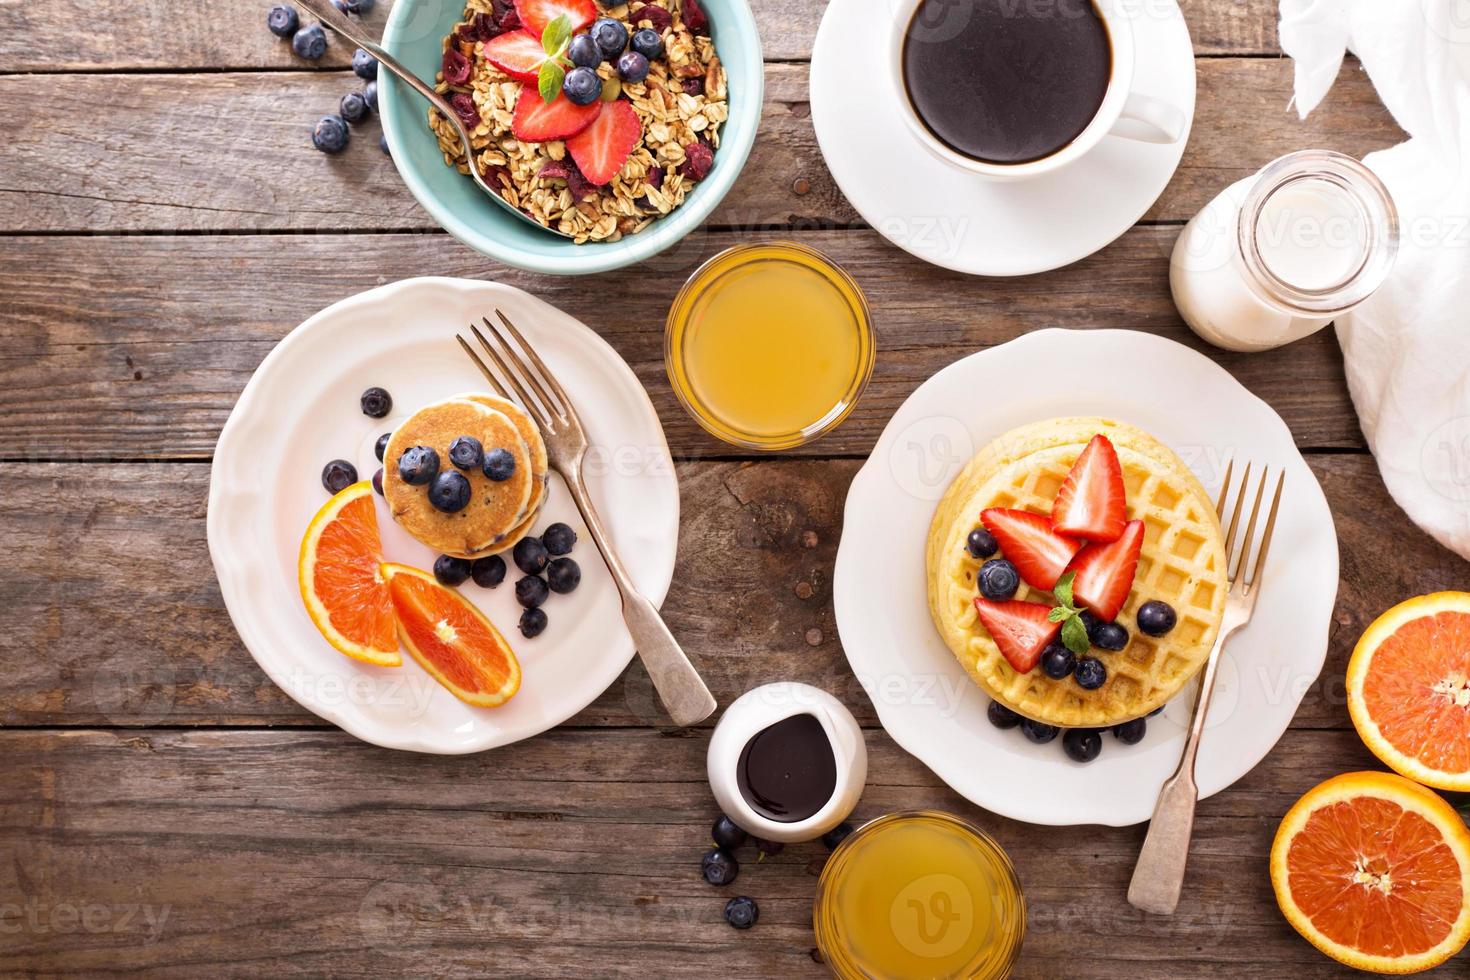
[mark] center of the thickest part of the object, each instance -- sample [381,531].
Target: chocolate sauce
[1006,81]
[787,772]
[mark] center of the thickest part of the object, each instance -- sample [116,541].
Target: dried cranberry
[694,18]
[466,32]
[660,18]
[456,67]
[694,86]
[656,177]
[511,21]
[580,186]
[554,170]
[496,175]
[465,108]
[698,159]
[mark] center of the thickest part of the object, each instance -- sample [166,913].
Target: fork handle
[680,688]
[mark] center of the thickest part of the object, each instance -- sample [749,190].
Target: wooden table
[164,808]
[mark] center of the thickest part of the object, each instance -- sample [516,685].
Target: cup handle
[1149,120]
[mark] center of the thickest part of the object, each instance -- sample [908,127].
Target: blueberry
[364,65]
[370,94]
[381,446]
[383,144]
[500,465]
[611,36]
[465,453]
[376,403]
[282,20]
[531,591]
[559,539]
[341,5]
[352,108]
[1090,620]
[488,572]
[359,7]
[837,835]
[330,134]
[1038,732]
[582,86]
[1002,717]
[769,848]
[1110,636]
[530,556]
[584,52]
[418,465]
[1057,661]
[310,42]
[1082,744]
[1131,732]
[1091,674]
[981,543]
[719,866]
[450,492]
[998,580]
[450,570]
[1156,618]
[378,481]
[338,475]
[1157,711]
[742,912]
[533,622]
[632,67]
[648,42]
[563,575]
[727,833]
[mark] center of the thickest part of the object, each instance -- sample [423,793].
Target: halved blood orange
[452,639]
[1408,689]
[1374,870]
[337,570]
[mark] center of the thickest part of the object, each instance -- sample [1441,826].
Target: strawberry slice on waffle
[1020,629]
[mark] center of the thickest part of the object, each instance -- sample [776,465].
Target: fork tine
[523,370]
[546,374]
[489,375]
[1224,489]
[536,371]
[1260,562]
[1245,480]
[530,404]
[1250,528]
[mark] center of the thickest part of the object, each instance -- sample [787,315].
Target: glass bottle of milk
[1280,254]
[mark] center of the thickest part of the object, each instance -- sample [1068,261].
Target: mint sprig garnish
[554,41]
[1074,631]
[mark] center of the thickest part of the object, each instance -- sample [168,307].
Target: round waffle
[1182,563]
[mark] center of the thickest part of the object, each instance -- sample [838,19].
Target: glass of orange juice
[769,346]
[919,893]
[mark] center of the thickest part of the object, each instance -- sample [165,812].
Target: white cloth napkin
[1408,347]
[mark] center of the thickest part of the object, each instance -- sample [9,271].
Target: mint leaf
[1074,635]
[549,81]
[557,35]
[1063,591]
[1059,614]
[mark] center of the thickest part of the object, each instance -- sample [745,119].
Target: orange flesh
[346,578]
[1416,690]
[1374,877]
[444,630]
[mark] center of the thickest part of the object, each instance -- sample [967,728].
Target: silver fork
[678,684]
[1159,874]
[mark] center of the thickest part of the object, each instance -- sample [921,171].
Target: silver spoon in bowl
[331,17]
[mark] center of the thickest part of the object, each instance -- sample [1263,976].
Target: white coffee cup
[1123,112]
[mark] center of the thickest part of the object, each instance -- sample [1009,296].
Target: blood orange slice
[1408,687]
[337,570]
[1374,870]
[452,639]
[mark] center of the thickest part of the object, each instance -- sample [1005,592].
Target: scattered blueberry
[500,465]
[488,572]
[998,580]
[1091,674]
[338,475]
[719,866]
[563,575]
[1156,618]
[530,556]
[727,833]
[376,403]
[837,835]
[582,86]
[364,65]
[310,42]
[378,481]
[370,94]
[1082,744]
[742,912]
[1131,732]
[359,7]
[584,52]
[648,42]
[383,144]
[611,36]
[342,6]
[769,848]
[1110,636]
[1057,661]
[450,492]
[1157,711]
[632,67]
[381,446]
[1002,717]
[533,622]
[353,108]
[418,465]
[1090,620]
[450,570]
[1038,732]
[981,543]
[465,453]
[558,539]
[282,20]
[531,591]
[330,134]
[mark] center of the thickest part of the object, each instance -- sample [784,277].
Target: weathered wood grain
[86,644]
[231,151]
[137,347]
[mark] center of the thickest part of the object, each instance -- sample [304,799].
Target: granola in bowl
[638,98]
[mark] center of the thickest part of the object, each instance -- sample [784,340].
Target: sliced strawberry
[538,121]
[1092,503]
[1105,572]
[1039,553]
[1019,629]
[536,14]
[519,54]
[603,147]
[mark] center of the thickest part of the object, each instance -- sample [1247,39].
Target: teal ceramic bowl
[414,35]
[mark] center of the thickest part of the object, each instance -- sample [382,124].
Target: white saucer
[923,696]
[301,410]
[958,220]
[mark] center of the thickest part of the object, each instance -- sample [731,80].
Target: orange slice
[1408,689]
[337,570]
[452,639]
[1374,870]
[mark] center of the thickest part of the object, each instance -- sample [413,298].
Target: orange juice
[769,346]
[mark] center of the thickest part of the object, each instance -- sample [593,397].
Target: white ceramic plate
[301,410]
[923,696]
[955,219]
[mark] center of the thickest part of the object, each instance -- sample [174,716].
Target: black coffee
[1006,81]
[787,772]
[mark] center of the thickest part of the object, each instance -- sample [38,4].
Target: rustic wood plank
[299,854]
[85,645]
[208,152]
[216,35]
[127,347]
